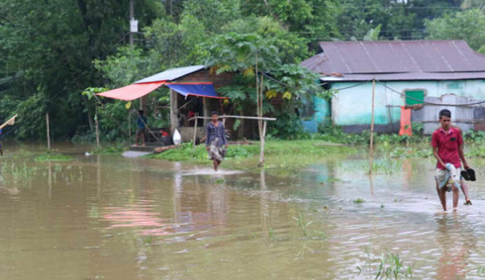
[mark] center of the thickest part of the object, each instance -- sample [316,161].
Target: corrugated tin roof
[172,74]
[406,77]
[393,57]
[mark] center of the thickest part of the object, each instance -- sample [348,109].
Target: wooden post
[173,110]
[96,122]
[206,110]
[129,124]
[195,129]
[262,141]
[48,131]
[371,154]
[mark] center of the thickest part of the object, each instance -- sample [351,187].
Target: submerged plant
[359,200]
[147,240]
[387,266]
[481,271]
[301,223]
[271,233]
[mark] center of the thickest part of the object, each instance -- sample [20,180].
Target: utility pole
[133,30]
[132,18]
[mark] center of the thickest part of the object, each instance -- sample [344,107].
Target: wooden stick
[371,154]
[96,122]
[129,124]
[236,117]
[195,131]
[263,141]
[5,124]
[48,131]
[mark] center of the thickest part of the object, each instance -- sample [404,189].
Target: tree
[466,25]
[262,78]
[48,49]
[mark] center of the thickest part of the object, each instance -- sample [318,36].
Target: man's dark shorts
[140,131]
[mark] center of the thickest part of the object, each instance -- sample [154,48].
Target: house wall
[351,107]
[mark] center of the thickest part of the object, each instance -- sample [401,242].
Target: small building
[192,92]
[406,73]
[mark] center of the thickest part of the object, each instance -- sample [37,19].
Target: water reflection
[456,243]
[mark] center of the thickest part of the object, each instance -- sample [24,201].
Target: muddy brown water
[109,217]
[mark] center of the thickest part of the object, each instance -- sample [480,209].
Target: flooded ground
[109,217]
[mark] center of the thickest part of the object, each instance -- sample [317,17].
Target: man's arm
[435,153]
[460,149]
[462,157]
[207,138]
[224,139]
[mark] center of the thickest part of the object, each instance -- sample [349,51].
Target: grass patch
[379,166]
[278,154]
[53,157]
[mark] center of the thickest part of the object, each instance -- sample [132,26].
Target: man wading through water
[216,141]
[447,143]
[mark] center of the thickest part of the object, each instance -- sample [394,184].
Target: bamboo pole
[96,122]
[129,124]
[263,140]
[48,131]
[195,131]
[371,154]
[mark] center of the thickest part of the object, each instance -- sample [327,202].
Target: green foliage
[53,157]
[288,126]
[462,25]
[417,129]
[474,136]
[47,52]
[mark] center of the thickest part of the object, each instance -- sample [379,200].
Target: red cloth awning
[133,91]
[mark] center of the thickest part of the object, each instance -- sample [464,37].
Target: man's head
[214,116]
[140,112]
[445,119]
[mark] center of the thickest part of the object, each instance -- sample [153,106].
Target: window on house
[415,96]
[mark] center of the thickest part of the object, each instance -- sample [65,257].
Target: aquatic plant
[118,149]
[271,233]
[481,271]
[379,166]
[359,200]
[220,181]
[53,157]
[301,223]
[13,173]
[387,266]
[147,240]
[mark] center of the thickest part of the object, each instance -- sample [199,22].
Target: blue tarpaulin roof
[195,89]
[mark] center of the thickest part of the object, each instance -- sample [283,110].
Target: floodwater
[109,217]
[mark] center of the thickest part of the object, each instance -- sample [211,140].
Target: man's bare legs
[456,197]
[136,139]
[216,164]
[464,189]
[442,195]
